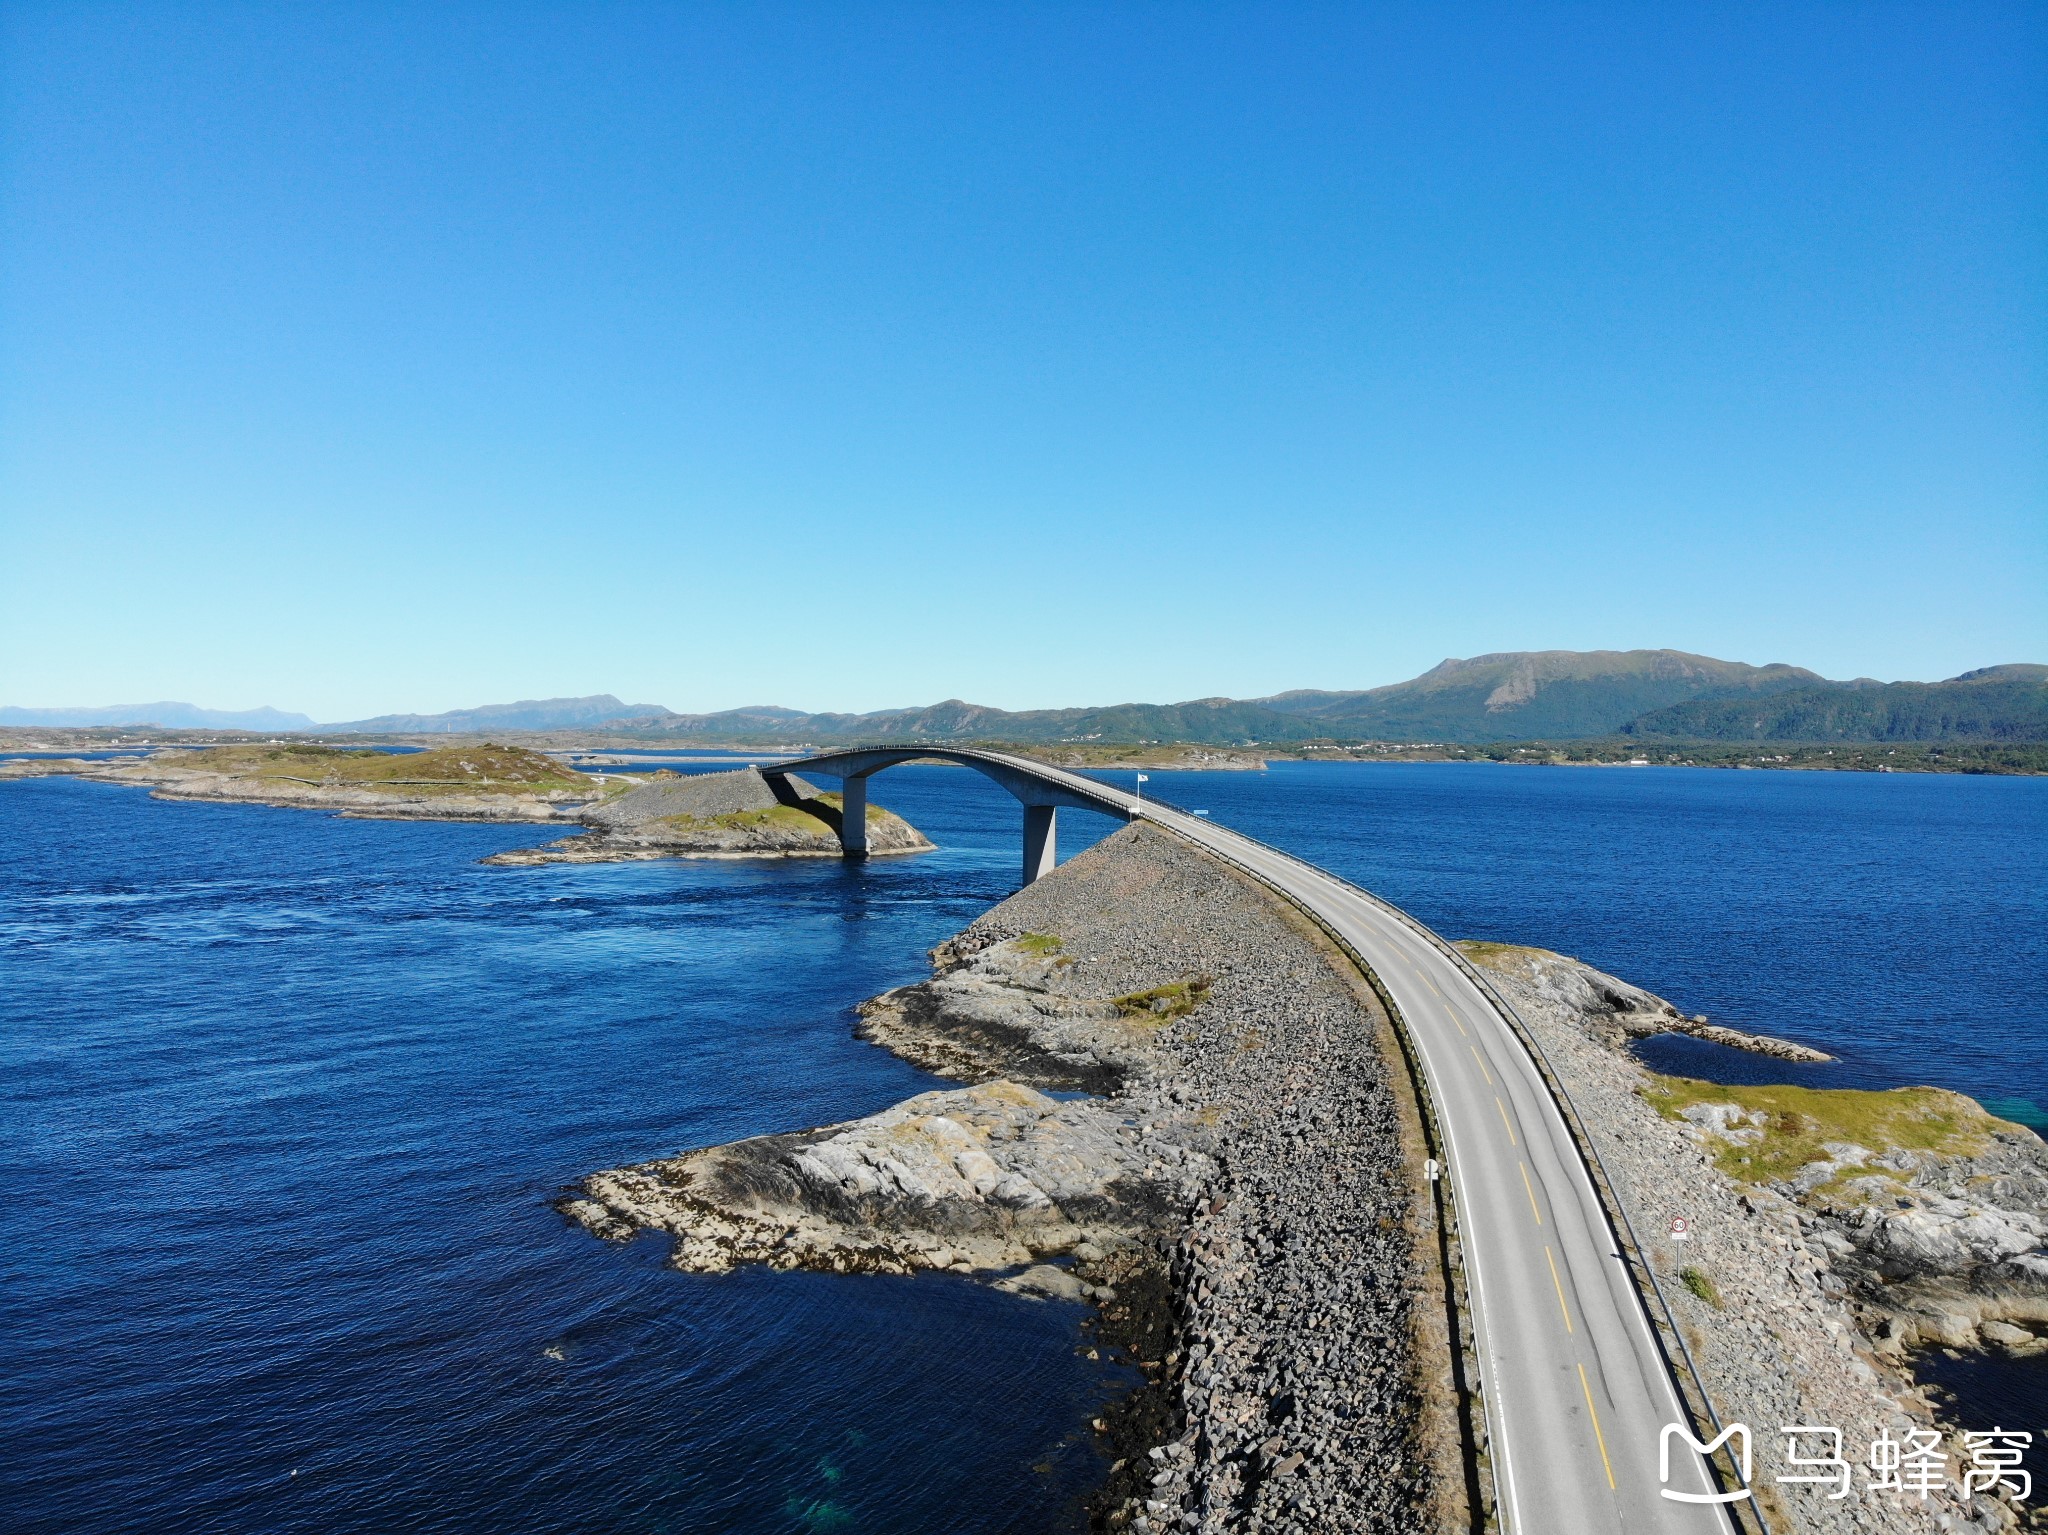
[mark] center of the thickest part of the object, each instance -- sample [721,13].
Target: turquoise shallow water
[283,1100]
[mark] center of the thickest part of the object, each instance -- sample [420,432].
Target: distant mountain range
[164,716]
[527,714]
[1554,695]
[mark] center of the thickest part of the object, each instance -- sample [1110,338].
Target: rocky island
[483,782]
[741,814]
[1239,1198]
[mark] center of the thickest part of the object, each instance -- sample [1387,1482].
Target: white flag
[1144,778]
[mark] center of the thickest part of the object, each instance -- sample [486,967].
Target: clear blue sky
[357,358]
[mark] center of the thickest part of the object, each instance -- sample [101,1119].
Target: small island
[480,782]
[741,814]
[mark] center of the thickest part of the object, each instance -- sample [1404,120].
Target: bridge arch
[1040,789]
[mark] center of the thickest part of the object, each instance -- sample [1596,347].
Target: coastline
[1965,757]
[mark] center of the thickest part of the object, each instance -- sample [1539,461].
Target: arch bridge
[1040,789]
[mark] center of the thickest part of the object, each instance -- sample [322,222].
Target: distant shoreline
[2004,759]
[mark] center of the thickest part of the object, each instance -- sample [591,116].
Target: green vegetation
[838,803]
[788,817]
[447,769]
[1041,944]
[2004,704]
[1701,1283]
[1794,1124]
[1163,1004]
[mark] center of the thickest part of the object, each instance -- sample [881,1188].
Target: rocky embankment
[1812,1261]
[1239,1196]
[459,783]
[741,814]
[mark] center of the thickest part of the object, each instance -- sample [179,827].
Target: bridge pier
[853,817]
[1041,840]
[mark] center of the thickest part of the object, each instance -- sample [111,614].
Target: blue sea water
[283,1100]
[1898,921]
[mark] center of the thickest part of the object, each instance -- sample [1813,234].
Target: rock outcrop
[980,1178]
[1944,1242]
[993,1011]
[741,814]
[1611,1009]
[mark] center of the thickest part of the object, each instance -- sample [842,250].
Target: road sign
[1681,1229]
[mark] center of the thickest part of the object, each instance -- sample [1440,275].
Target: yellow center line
[1532,1193]
[1504,1120]
[1482,1064]
[1560,1290]
[1587,1387]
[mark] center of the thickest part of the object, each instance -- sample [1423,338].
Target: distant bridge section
[1040,789]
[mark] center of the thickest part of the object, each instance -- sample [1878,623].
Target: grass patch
[788,817]
[838,803]
[1796,1122]
[1163,1004]
[1041,944]
[1701,1283]
[445,769]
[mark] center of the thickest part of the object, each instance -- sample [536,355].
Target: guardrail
[1664,1328]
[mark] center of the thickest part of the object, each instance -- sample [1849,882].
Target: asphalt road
[1575,1388]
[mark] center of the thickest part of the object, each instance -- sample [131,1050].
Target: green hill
[1557,695]
[1999,703]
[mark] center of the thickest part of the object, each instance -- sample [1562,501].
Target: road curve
[1576,1389]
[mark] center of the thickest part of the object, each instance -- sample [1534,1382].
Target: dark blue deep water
[283,1100]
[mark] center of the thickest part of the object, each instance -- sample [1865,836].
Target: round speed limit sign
[1681,1229]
